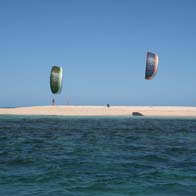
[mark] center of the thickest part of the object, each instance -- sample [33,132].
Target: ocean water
[77,156]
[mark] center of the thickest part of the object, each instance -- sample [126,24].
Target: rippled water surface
[97,156]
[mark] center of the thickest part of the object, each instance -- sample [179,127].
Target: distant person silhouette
[53,101]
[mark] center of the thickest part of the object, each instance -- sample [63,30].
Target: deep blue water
[97,156]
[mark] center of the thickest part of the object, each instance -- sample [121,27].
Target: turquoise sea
[97,156]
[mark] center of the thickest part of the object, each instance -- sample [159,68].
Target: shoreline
[172,111]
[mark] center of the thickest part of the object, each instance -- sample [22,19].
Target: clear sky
[102,45]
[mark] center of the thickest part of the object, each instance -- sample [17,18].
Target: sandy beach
[101,111]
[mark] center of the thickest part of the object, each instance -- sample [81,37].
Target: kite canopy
[151,65]
[56,76]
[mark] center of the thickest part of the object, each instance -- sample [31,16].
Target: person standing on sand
[53,101]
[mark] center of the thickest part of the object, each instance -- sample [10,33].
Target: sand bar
[101,111]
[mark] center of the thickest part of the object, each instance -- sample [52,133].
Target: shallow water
[97,156]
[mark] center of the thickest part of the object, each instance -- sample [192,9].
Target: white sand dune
[101,110]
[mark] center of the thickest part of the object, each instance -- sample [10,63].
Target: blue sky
[102,47]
